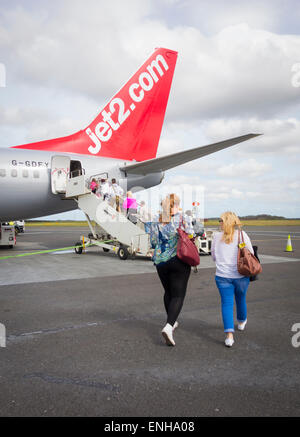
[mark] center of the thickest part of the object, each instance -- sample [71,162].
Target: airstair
[110,229]
[115,231]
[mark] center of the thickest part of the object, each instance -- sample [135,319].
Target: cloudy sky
[237,73]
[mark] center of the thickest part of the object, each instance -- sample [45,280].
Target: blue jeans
[230,289]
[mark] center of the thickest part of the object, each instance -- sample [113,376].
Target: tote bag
[187,252]
[247,263]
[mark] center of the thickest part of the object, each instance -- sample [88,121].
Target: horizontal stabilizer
[170,161]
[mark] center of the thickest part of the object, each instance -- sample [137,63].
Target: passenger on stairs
[130,203]
[130,207]
[94,185]
[117,193]
[105,189]
[144,212]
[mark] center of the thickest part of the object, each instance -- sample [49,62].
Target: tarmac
[83,335]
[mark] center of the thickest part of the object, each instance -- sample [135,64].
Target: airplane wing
[173,160]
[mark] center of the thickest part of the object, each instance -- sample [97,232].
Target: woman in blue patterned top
[173,273]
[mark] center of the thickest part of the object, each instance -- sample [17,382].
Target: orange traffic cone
[289,247]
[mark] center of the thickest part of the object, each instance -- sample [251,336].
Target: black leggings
[174,276]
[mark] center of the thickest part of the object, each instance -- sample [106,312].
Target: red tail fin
[129,126]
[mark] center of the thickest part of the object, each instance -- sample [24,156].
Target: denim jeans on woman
[230,289]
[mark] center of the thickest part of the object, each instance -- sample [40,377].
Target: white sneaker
[176,324]
[167,333]
[229,341]
[241,326]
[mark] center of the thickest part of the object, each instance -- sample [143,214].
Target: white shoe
[167,333]
[176,324]
[229,341]
[241,326]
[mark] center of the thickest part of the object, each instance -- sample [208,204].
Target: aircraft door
[75,169]
[60,167]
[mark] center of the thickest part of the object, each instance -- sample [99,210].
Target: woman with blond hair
[230,283]
[130,203]
[173,273]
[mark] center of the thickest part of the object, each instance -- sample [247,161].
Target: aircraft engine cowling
[136,183]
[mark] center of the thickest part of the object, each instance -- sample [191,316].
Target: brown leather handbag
[187,252]
[247,263]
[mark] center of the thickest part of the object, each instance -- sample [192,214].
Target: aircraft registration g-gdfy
[121,143]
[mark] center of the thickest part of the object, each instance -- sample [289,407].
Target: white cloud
[294,185]
[214,16]
[279,135]
[233,77]
[265,194]
[12,116]
[237,194]
[250,168]
[240,70]
[253,194]
[80,47]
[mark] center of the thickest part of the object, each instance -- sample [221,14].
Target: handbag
[254,277]
[187,252]
[247,263]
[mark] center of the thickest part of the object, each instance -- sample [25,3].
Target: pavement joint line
[139,269]
[16,337]
[152,316]
[73,381]
[13,337]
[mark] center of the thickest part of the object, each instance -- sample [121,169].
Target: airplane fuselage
[25,181]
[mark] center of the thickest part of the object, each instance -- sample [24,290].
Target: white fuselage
[25,181]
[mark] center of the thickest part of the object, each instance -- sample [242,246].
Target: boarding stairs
[122,235]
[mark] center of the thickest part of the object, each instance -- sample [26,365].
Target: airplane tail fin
[129,126]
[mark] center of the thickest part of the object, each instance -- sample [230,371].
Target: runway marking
[39,252]
[278,232]
[52,232]
[271,259]
[62,252]
[296,237]
[273,234]
[276,239]
[62,249]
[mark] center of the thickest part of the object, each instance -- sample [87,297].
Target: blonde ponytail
[231,222]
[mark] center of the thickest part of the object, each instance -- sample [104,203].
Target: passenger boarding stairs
[114,223]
